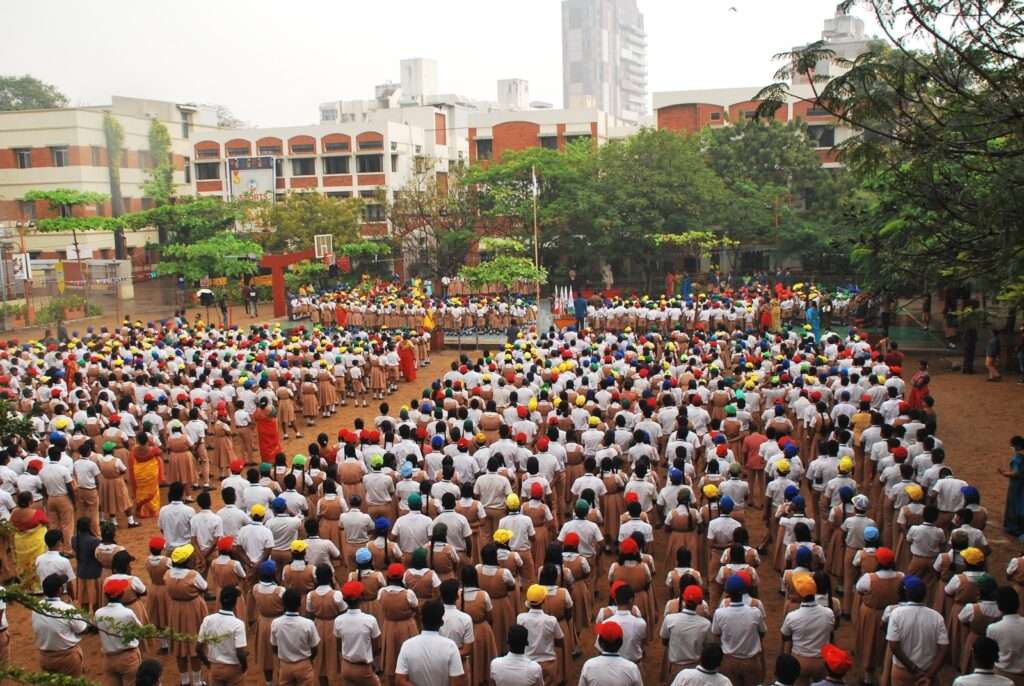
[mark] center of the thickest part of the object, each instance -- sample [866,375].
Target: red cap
[35,464]
[629,547]
[236,466]
[181,397]
[836,659]
[115,588]
[463,443]
[54,392]
[693,594]
[885,556]
[396,570]
[225,543]
[522,412]
[543,443]
[352,589]
[536,490]
[157,543]
[721,450]
[572,539]
[899,453]
[609,631]
[614,588]
[748,581]
[632,497]
[520,437]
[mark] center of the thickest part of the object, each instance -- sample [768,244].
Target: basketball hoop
[323,245]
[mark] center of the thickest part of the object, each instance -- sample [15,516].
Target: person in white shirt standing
[806,629]
[545,633]
[1008,632]
[706,673]
[295,641]
[986,652]
[917,637]
[430,659]
[610,668]
[514,668]
[121,658]
[741,628]
[58,638]
[221,642]
[358,637]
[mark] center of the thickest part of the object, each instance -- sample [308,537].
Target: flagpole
[536,235]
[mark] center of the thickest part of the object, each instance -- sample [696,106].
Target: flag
[534,188]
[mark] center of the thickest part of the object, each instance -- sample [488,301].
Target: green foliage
[307,273]
[502,246]
[29,93]
[189,219]
[220,255]
[300,216]
[160,184]
[60,198]
[362,249]
[56,310]
[11,424]
[504,270]
[58,224]
[12,310]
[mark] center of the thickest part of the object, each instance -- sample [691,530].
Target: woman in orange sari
[267,432]
[146,475]
[407,359]
[29,533]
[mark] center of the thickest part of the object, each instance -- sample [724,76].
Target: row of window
[297,149]
[60,157]
[485,147]
[306,166]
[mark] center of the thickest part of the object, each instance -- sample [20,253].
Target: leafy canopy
[221,255]
[29,93]
[295,220]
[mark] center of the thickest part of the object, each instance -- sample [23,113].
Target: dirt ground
[976,420]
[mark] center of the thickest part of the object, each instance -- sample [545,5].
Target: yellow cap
[62,423]
[846,465]
[182,553]
[710,491]
[536,593]
[298,546]
[502,536]
[593,421]
[914,491]
[973,556]
[804,585]
[512,501]
[258,510]
[481,438]
[782,466]
[580,401]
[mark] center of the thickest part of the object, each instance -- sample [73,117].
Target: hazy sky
[272,62]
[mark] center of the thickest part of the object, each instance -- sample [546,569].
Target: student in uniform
[58,638]
[121,658]
[741,628]
[358,636]
[514,668]
[986,651]
[917,638]
[545,633]
[221,642]
[430,659]
[806,629]
[706,673]
[837,663]
[295,641]
[609,668]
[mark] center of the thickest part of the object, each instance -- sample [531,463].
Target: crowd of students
[573,496]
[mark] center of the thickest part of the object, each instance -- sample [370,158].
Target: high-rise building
[604,57]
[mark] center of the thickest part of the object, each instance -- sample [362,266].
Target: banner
[251,178]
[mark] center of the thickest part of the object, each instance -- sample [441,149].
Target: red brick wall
[208,186]
[269,140]
[800,110]
[238,143]
[373,230]
[737,110]
[515,135]
[338,180]
[827,155]
[304,182]
[560,133]
[10,210]
[335,138]
[301,140]
[689,117]
[371,179]
[206,145]
[440,129]
[78,156]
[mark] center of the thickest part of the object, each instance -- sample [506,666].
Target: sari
[146,473]
[30,526]
[267,434]
[407,360]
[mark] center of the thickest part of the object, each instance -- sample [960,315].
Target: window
[144,162]
[818,111]
[59,155]
[23,157]
[574,139]
[716,116]
[336,165]
[303,149]
[188,170]
[484,149]
[238,152]
[370,164]
[271,150]
[328,114]
[28,210]
[368,195]
[207,171]
[208,152]
[371,145]
[304,166]
[373,213]
[279,167]
[340,195]
[549,142]
[96,157]
[750,114]
[186,124]
[337,146]
[823,136]
[394,163]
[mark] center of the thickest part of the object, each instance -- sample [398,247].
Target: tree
[160,184]
[435,220]
[294,221]
[221,255]
[504,270]
[29,93]
[189,219]
[226,119]
[113,132]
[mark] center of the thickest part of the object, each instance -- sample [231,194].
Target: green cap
[264,468]
[582,505]
[299,461]
[108,446]
[415,500]
[377,461]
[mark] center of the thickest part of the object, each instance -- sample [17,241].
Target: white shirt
[56,479]
[232,519]
[113,615]
[356,629]
[809,627]
[740,627]
[223,634]
[1008,632]
[254,539]
[608,669]
[174,522]
[982,677]
[429,659]
[54,633]
[52,562]
[634,634]
[516,670]
[543,630]
[699,677]
[919,630]
[686,633]
[206,527]
[294,637]
[458,626]
[86,472]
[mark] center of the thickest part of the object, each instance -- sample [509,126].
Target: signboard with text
[251,178]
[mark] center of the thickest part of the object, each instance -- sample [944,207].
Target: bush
[56,310]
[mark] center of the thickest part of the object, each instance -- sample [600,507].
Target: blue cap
[734,584]
[675,475]
[791,492]
[914,587]
[266,568]
[363,556]
[726,504]
[382,524]
[803,556]
[870,533]
[405,470]
[719,439]
[437,441]
[798,502]
[846,493]
[278,504]
[55,436]
[791,450]
[970,492]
